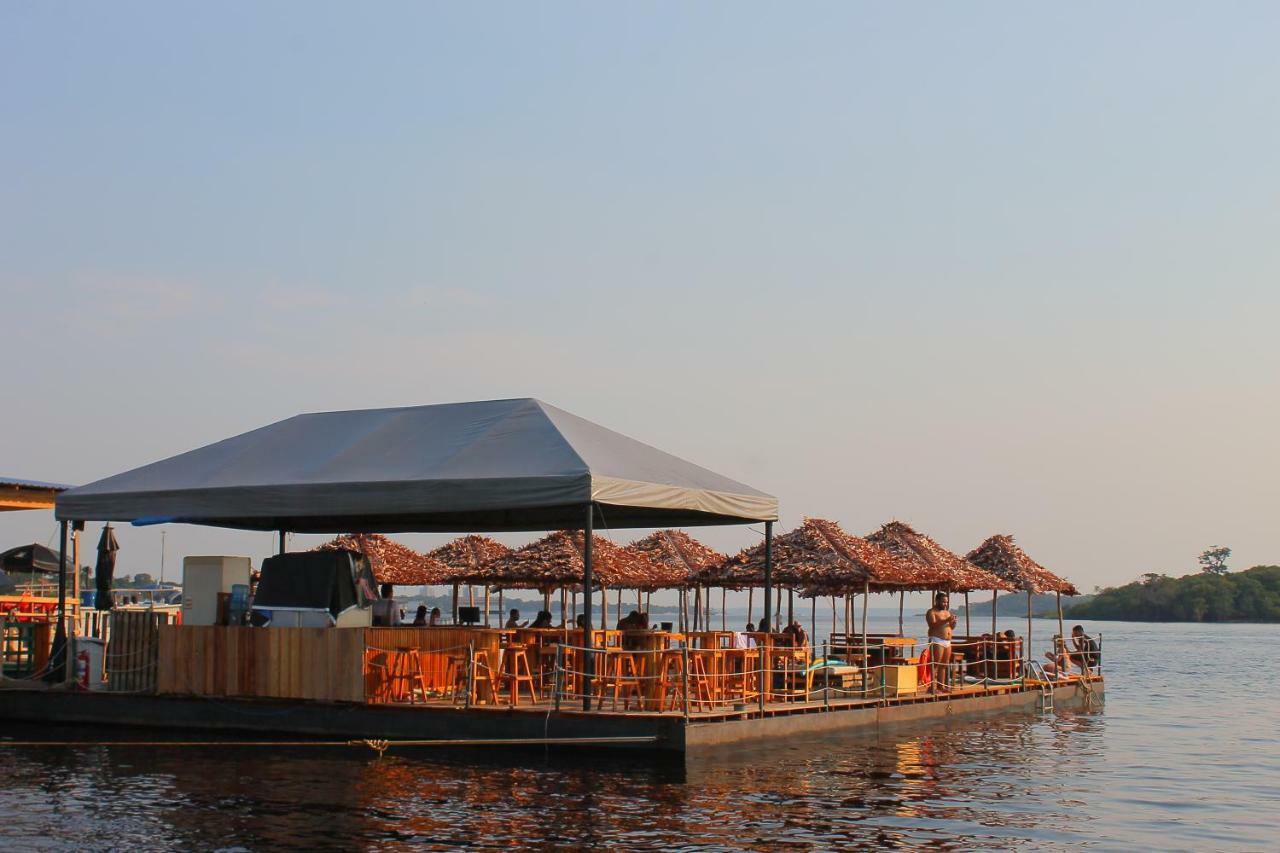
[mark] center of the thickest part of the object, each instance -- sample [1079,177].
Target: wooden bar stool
[622,678]
[455,675]
[482,676]
[516,672]
[671,680]
[700,694]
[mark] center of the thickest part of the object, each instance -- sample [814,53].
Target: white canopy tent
[488,466]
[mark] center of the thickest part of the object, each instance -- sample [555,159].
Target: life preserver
[923,674]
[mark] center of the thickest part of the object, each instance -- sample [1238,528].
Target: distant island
[1012,604]
[1208,596]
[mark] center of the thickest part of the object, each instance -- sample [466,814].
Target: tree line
[1212,595]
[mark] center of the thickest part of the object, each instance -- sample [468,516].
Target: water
[1184,756]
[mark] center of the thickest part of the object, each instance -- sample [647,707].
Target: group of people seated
[991,656]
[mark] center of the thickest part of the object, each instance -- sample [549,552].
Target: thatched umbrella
[391,561]
[930,566]
[556,560]
[820,558]
[1001,556]
[467,556]
[680,557]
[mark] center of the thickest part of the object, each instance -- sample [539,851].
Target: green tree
[1214,560]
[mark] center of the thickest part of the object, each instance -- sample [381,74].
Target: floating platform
[670,732]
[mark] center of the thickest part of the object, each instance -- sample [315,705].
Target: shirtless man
[941,622]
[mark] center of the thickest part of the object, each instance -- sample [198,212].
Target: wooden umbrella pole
[813,620]
[866,597]
[1062,633]
[751,603]
[902,600]
[833,615]
[697,605]
[1028,649]
[455,604]
[968,632]
[848,613]
[604,607]
[562,605]
[791,603]
[486,604]
[648,601]
[723,592]
[994,596]
[471,596]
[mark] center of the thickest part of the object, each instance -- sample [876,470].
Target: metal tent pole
[58,655]
[588,661]
[768,571]
[281,551]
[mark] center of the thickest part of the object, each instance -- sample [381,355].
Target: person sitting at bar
[799,639]
[581,621]
[543,620]
[630,622]
[743,639]
[941,622]
[420,618]
[385,611]
[751,629]
[513,621]
[434,620]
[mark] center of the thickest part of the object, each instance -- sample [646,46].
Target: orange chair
[377,676]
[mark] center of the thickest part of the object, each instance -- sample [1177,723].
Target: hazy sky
[981,267]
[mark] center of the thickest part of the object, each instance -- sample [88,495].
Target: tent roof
[933,566]
[16,493]
[1001,556]
[391,561]
[496,465]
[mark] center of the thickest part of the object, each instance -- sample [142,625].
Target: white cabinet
[202,579]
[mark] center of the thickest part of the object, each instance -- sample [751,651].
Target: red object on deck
[922,671]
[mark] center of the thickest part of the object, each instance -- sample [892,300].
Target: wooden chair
[377,677]
[701,695]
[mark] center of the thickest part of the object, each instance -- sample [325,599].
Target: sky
[984,268]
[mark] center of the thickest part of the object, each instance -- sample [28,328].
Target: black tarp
[30,558]
[104,571]
[329,580]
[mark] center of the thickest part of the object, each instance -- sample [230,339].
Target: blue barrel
[89,599]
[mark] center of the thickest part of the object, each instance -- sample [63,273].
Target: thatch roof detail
[556,560]
[680,557]
[931,565]
[468,556]
[818,556]
[1001,556]
[391,561]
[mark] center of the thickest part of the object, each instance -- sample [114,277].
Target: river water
[1184,755]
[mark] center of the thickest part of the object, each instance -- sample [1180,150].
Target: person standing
[941,623]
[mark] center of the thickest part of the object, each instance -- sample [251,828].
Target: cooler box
[900,679]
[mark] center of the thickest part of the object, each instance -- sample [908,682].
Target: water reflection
[1196,770]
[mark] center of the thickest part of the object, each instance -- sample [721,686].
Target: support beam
[58,655]
[588,660]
